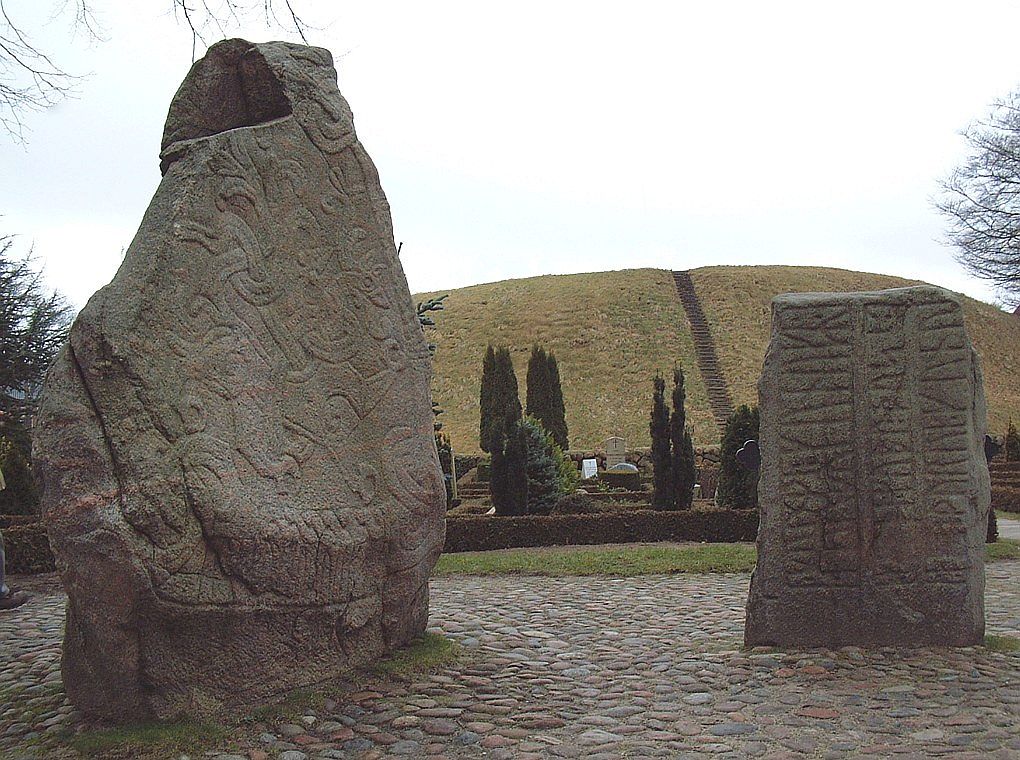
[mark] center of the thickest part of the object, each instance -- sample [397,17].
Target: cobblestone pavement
[604,668]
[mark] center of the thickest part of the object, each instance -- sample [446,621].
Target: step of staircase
[719,398]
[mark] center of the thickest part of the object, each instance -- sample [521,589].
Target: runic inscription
[874,491]
[236,447]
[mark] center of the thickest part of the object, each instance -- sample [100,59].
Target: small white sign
[589,468]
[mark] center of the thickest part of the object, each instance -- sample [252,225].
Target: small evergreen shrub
[1011,444]
[551,473]
[543,469]
[20,496]
[1006,498]
[28,549]
[737,487]
[576,504]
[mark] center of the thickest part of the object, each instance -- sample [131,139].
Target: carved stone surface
[236,449]
[874,490]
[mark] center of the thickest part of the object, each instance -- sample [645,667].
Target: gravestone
[589,468]
[616,451]
[874,492]
[239,474]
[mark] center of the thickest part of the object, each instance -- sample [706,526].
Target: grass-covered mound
[611,331]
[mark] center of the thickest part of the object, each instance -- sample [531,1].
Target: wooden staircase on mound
[704,346]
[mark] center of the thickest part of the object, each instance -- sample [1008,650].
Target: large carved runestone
[236,450]
[874,490]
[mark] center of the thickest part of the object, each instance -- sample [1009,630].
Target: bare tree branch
[32,80]
[981,200]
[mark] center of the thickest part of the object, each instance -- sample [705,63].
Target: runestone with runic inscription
[236,447]
[874,490]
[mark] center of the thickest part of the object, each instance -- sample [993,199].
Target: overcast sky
[528,138]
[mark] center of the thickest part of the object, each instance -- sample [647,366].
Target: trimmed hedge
[6,521]
[28,549]
[466,534]
[635,496]
[629,480]
[1006,499]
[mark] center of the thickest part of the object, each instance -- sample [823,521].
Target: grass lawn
[602,560]
[1002,643]
[425,654]
[628,560]
[145,740]
[1004,548]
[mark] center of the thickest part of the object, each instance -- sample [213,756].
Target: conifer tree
[545,480]
[682,455]
[545,395]
[557,423]
[662,479]
[538,386]
[738,486]
[515,501]
[497,480]
[485,400]
[497,398]
[502,438]
[507,400]
[33,327]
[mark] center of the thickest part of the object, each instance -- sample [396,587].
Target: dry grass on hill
[737,302]
[611,331]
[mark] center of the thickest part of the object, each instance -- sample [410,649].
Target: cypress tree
[682,456]
[504,441]
[507,401]
[516,468]
[738,486]
[557,423]
[498,397]
[545,395]
[662,479]
[485,400]
[497,480]
[538,386]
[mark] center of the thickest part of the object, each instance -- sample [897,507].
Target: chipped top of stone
[240,84]
[906,293]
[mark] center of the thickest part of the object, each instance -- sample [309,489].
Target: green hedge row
[28,549]
[465,534]
[6,521]
[629,480]
[1006,498]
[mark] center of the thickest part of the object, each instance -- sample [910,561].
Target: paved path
[607,668]
[1008,525]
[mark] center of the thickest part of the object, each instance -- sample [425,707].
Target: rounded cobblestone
[600,667]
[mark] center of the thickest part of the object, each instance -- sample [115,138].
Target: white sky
[552,137]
